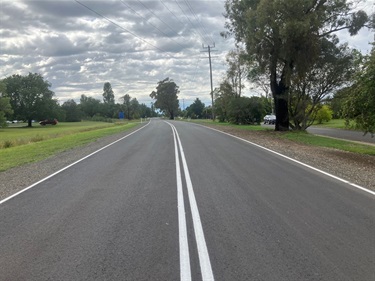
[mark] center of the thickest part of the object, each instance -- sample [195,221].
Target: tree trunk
[29,123]
[280,94]
[281,110]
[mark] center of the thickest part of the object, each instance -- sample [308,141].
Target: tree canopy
[89,105]
[108,94]
[5,107]
[285,37]
[360,104]
[30,97]
[166,97]
[72,111]
[195,110]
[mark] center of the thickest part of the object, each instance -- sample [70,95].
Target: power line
[119,26]
[150,23]
[172,13]
[192,25]
[158,17]
[199,22]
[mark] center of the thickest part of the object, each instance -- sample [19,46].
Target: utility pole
[212,90]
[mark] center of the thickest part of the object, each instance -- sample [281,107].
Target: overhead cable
[123,28]
[161,31]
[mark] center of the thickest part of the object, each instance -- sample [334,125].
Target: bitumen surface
[343,134]
[117,216]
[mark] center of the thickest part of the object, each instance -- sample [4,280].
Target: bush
[245,110]
[324,114]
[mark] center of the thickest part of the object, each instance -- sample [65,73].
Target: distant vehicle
[270,119]
[48,122]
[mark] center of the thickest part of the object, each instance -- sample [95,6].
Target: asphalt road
[342,134]
[220,208]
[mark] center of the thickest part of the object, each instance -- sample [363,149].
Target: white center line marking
[204,259]
[185,271]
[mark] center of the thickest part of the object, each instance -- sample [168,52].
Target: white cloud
[131,44]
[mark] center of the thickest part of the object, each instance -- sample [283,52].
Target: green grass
[40,143]
[19,134]
[336,124]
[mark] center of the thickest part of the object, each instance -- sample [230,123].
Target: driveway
[342,134]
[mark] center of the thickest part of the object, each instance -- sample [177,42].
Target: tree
[360,104]
[333,69]
[108,105]
[5,107]
[30,97]
[108,95]
[144,111]
[284,38]
[244,110]
[166,97]
[324,114]
[237,70]
[195,110]
[222,100]
[89,106]
[126,102]
[337,102]
[72,111]
[134,108]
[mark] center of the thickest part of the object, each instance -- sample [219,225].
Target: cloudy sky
[79,45]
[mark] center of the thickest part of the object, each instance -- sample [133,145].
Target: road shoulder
[353,167]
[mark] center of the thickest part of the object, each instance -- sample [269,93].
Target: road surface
[342,134]
[178,201]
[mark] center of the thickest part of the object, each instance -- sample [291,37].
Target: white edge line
[294,160]
[204,258]
[67,167]
[185,270]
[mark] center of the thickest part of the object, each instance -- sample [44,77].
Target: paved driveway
[342,134]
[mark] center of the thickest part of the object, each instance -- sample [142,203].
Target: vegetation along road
[178,201]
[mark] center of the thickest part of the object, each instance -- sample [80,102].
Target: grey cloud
[57,45]
[133,47]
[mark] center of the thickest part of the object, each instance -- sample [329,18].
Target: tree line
[29,98]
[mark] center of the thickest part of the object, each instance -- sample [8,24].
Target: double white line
[204,259]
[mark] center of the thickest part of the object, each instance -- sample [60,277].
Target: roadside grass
[336,124]
[304,137]
[21,135]
[55,141]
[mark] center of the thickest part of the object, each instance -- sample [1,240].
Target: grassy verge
[19,134]
[336,124]
[303,137]
[55,142]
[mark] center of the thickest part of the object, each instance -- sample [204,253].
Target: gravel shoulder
[356,168]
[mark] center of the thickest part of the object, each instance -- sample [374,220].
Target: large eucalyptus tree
[284,37]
